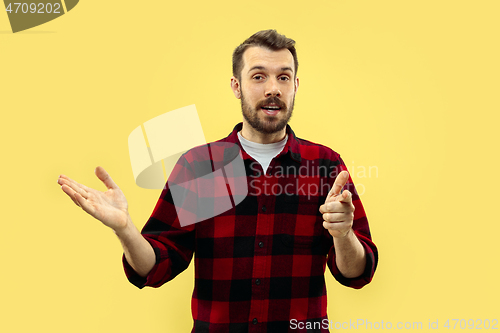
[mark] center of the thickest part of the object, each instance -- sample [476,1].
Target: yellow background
[409,87]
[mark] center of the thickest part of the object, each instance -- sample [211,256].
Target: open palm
[110,207]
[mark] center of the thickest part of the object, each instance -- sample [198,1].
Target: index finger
[339,183]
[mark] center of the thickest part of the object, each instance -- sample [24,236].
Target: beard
[269,124]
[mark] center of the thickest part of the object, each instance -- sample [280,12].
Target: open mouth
[271,110]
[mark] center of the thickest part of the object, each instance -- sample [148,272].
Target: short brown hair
[270,39]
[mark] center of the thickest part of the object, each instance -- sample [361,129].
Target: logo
[211,182]
[26,15]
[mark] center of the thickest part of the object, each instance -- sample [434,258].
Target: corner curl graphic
[25,15]
[156,146]
[217,179]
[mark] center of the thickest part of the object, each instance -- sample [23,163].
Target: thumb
[345,196]
[105,178]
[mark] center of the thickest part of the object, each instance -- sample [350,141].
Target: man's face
[267,88]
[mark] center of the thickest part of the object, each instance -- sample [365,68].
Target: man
[259,266]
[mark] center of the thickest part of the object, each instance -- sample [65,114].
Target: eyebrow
[283,69]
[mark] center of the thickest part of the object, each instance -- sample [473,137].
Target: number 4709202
[471,324]
[32,8]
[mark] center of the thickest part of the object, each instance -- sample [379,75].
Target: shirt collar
[292,145]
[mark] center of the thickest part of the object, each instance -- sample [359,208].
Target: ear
[296,84]
[236,87]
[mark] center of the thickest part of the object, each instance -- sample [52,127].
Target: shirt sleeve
[362,231]
[173,244]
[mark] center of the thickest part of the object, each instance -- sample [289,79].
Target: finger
[62,179]
[79,185]
[340,229]
[339,183]
[335,225]
[66,178]
[76,187]
[345,197]
[86,206]
[336,217]
[70,182]
[331,207]
[69,191]
[336,207]
[105,178]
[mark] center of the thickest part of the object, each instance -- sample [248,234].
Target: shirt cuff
[367,275]
[137,280]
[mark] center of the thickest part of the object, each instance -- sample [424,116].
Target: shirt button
[261,244]
[257,282]
[254,321]
[264,208]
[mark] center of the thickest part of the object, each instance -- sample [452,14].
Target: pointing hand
[338,210]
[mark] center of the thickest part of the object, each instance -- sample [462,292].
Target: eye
[284,78]
[258,77]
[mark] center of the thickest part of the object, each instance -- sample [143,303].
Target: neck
[249,133]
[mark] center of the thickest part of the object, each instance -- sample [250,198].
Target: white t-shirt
[262,153]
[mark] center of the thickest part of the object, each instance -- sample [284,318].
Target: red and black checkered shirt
[259,264]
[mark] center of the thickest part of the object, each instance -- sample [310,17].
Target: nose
[272,89]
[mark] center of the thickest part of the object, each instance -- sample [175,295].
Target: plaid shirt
[259,266]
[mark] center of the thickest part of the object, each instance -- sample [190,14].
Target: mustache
[272,100]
